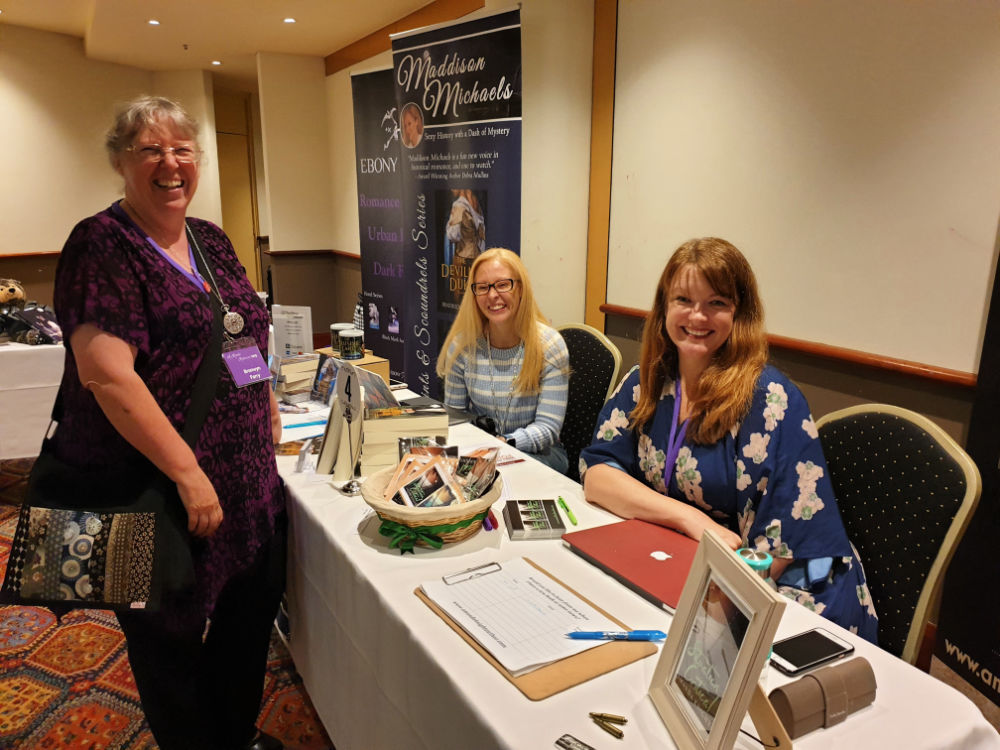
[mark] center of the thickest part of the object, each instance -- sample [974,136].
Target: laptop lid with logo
[652,560]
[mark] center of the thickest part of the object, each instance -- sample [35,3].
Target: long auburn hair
[724,392]
[470,323]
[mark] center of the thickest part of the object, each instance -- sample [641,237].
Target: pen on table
[567,511]
[610,718]
[305,424]
[617,635]
[490,522]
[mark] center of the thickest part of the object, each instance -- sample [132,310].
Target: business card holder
[825,697]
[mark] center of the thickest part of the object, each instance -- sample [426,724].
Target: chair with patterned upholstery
[906,491]
[594,363]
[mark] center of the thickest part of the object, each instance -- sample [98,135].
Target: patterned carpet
[70,685]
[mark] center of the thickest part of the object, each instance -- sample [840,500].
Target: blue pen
[623,635]
[305,424]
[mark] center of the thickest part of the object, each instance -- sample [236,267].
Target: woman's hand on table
[695,526]
[625,496]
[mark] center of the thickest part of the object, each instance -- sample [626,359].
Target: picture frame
[719,640]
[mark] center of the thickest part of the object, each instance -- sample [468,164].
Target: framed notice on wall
[719,640]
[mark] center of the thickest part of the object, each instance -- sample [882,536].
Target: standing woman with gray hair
[137,316]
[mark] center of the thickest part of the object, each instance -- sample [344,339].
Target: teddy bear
[12,294]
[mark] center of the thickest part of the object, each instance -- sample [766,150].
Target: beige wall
[263,214]
[327,283]
[829,385]
[556,58]
[295,151]
[851,149]
[343,171]
[557,49]
[193,88]
[55,105]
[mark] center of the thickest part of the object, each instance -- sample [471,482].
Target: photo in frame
[722,631]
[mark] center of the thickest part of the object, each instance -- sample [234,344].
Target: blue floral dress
[766,480]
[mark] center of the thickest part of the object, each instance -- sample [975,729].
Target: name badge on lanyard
[245,362]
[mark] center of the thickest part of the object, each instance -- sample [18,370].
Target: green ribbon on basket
[405,537]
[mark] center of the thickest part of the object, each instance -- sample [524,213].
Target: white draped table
[29,379]
[384,671]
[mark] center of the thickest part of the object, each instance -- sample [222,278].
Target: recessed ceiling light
[216,62]
[289,20]
[153,22]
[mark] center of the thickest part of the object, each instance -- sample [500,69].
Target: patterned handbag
[102,539]
[110,538]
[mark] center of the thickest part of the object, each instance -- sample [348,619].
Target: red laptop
[651,560]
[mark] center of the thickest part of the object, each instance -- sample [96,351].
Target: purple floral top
[111,277]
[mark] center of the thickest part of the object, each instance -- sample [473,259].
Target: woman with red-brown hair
[705,434]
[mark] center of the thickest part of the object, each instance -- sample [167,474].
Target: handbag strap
[205,380]
[208,370]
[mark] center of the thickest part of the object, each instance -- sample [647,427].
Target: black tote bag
[101,538]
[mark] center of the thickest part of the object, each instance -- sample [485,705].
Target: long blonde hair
[470,323]
[724,392]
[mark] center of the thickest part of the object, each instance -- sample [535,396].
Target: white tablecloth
[384,671]
[29,379]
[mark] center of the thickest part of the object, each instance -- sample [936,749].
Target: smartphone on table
[804,651]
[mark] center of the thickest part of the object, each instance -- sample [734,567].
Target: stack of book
[383,428]
[295,377]
[533,519]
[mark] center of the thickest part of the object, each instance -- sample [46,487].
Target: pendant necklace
[502,421]
[231,321]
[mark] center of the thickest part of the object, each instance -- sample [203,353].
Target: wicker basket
[427,527]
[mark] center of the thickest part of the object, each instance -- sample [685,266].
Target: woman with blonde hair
[503,363]
[705,434]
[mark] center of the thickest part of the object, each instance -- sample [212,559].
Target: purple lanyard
[676,439]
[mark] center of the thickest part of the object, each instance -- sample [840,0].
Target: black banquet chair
[594,364]
[906,491]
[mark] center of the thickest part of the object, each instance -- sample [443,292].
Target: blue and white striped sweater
[534,421]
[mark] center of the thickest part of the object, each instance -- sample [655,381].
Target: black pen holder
[825,697]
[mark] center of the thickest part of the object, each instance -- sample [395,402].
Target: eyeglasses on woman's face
[154,153]
[501,285]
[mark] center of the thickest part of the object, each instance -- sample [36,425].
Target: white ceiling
[193,33]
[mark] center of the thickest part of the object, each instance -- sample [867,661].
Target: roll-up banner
[458,94]
[968,635]
[380,214]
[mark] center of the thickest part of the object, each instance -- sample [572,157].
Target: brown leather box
[825,697]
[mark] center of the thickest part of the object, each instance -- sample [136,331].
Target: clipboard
[564,673]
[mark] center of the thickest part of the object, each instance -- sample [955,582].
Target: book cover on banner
[462,213]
